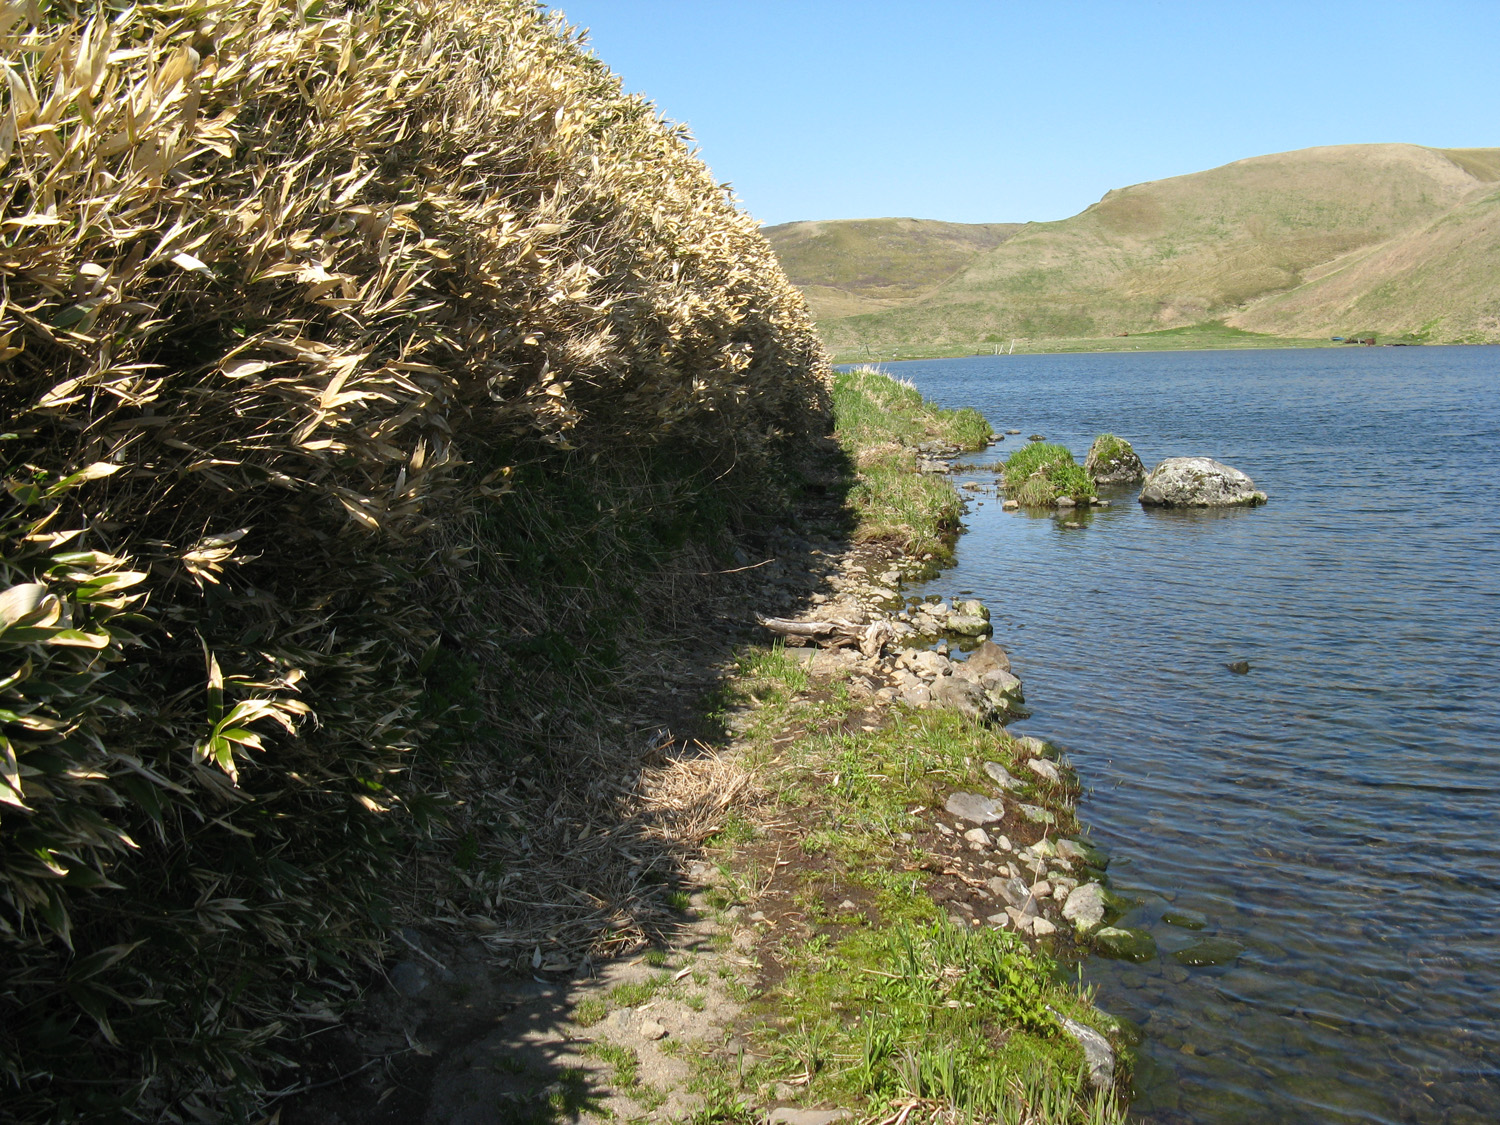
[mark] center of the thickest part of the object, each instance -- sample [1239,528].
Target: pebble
[978,836]
[1042,928]
[1042,889]
[652,1030]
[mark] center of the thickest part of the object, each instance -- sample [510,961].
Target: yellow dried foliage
[284,286]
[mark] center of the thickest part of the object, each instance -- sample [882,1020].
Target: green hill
[1390,238]
[847,266]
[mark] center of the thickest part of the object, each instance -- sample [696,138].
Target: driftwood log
[870,638]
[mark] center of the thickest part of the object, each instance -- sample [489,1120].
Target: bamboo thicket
[288,291]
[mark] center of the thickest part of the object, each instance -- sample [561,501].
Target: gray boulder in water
[1112,460]
[1198,482]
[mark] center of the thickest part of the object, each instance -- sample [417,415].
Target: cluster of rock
[1044,886]
[981,687]
[940,619]
[935,456]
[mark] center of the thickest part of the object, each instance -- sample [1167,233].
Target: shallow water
[1333,811]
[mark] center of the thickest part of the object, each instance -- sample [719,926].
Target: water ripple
[1333,811]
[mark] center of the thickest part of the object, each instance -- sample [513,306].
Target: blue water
[1335,810]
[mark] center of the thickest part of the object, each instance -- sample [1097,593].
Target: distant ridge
[1384,239]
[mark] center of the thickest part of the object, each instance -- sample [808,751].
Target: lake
[1333,811]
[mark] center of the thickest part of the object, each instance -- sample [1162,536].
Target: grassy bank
[873,996]
[880,423]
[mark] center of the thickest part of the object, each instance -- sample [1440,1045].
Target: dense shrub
[303,304]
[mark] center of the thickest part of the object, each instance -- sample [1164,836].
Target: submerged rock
[1209,951]
[1124,945]
[1185,919]
[1111,460]
[1198,482]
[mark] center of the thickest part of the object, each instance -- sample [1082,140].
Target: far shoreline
[1083,347]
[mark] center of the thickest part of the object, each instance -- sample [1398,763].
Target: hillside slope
[1214,245]
[1438,283]
[847,266]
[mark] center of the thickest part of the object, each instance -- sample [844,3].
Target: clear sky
[1001,112]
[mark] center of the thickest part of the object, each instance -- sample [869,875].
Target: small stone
[1001,776]
[758,916]
[1042,889]
[944,829]
[409,978]
[1014,892]
[1042,928]
[1019,920]
[1001,920]
[1010,506]
[1002,843]
[1045,770]
[847,905]
[652,1030]
[1091,855]
[975,808]
[1085,907]
[1034,747]
[790,1115]
[978,836]
[1036,814]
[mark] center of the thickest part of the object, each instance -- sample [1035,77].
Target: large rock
[988,657]
[1198,482]
[1111,460]
[963,696]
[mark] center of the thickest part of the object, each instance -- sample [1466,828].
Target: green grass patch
[933,1011]
[1038,474]
[871,407]
[632,994]
[623,1062]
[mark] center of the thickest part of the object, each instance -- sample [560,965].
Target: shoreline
[805,845]
[849,359]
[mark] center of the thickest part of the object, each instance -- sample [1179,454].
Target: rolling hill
[1393,239]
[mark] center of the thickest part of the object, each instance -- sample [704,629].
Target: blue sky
[1000,112]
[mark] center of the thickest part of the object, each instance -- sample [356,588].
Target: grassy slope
[1203,247]
[857,265]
